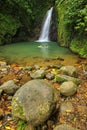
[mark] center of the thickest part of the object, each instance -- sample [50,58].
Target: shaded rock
[50,76]
[57,66]
[53,66]
[69,70]
[64,127]
[66,107]
[68,88]
[48,67]
[61,78]
[34,102]
[39,74]
[9,87]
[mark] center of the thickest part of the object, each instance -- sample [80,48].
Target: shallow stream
[36,52]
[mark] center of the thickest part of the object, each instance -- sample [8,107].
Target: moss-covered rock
[62,78]
[34,102]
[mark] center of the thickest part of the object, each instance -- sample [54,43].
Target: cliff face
[72,25]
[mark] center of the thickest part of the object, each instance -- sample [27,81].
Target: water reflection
[44,49]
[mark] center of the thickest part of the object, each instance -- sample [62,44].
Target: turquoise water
[27,51]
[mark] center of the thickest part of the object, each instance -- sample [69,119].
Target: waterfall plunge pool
[29,53]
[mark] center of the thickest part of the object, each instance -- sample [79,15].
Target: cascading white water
[44,36]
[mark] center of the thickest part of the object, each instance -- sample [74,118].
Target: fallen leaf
[68,111]
[7,128]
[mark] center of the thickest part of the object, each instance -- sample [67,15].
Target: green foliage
[80,47]
[21,125]
[8,28]
[76,16]
[60,79]
[63,32]
[25,15]
[72,16]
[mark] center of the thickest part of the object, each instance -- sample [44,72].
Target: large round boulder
[34,102]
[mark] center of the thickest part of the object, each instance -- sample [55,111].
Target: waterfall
[44,35]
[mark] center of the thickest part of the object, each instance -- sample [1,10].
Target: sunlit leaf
[7,128]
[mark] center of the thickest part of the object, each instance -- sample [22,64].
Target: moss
[17,109]
[59,79]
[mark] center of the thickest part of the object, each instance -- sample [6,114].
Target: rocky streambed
[51,97]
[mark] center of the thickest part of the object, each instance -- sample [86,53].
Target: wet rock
[68,88]
[64,127]
[39,74]
[9,87]
[66,107]
[34,102]
[69,70]
[62,78]
[50,76]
